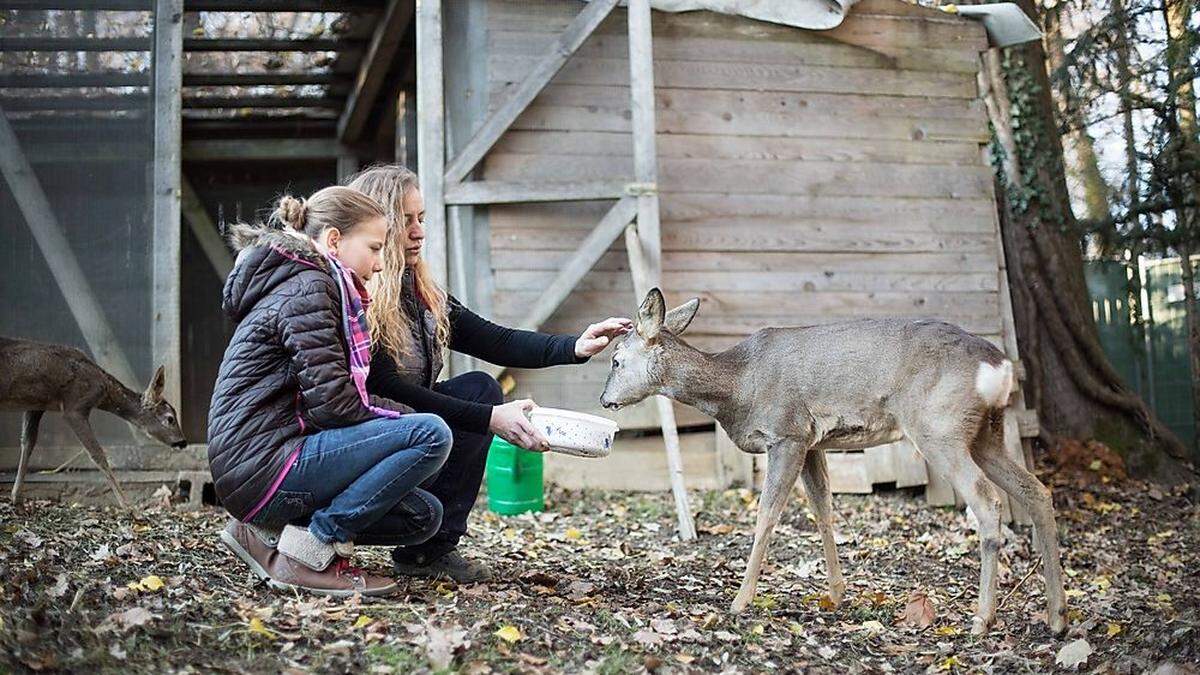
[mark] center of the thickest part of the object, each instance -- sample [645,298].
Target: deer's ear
[155,389]
[650,315]
[678,319]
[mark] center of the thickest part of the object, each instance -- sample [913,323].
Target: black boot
[448,565]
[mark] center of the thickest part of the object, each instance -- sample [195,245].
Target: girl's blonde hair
[341,208]
[388,184]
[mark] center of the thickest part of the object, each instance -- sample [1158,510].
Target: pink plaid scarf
[358,336]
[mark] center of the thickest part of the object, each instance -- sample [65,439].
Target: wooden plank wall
[805,177]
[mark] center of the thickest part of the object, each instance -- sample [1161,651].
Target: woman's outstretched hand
[600,335]
[510,423]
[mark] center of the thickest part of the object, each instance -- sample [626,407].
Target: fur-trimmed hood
[267,257]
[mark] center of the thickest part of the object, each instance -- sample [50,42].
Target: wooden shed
[783,175]
[803,177]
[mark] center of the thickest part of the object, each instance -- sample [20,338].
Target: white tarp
[811,14]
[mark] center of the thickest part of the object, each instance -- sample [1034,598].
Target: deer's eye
[616,364]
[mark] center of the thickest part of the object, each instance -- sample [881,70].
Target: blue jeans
[359,483]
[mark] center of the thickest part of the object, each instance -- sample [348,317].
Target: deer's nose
[179,445]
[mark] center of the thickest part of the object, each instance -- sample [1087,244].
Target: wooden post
[431,134]
[64,266]
[168,105]
[647,243]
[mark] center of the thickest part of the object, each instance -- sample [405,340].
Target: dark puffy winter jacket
[285,372]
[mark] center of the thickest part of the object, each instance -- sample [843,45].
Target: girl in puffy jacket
[305,461]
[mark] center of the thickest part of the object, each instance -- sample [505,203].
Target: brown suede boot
[252,550]
[307,563]
[337,577]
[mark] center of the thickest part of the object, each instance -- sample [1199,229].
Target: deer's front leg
[783,466]
[79,424]
[29,434]
[816,485]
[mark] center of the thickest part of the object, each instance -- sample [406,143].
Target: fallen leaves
[509,634]
[918,612]
[1073,654]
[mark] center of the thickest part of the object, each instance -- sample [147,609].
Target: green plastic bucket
[514,479]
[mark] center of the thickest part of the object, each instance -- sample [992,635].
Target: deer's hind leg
[816,485]
[948,453]
[1024,487]
[783,466]
[79,424]
[29,435]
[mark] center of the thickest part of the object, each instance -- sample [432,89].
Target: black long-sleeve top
[475,336]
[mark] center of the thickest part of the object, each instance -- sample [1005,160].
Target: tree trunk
[1085,166]
[1078,392]
[1180,46]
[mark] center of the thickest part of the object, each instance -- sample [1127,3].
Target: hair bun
[291,212]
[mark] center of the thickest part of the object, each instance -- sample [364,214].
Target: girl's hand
[510,423]
[600,335]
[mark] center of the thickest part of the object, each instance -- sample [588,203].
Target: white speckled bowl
[575,433]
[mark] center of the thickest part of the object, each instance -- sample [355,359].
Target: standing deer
[37,377]
[792,393]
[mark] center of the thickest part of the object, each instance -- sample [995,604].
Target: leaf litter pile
[599,583]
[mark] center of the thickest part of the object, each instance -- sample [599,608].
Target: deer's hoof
[979,625]
[836,593]
[739,604]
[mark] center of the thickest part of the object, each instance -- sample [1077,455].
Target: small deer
[792,393]
[37,377]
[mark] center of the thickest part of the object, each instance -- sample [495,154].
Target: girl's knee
[436,433]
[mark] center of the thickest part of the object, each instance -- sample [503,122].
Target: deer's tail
[994,383]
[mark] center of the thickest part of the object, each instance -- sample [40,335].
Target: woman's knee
[428,516]
[485,387]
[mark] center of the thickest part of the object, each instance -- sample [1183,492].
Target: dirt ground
[598,583]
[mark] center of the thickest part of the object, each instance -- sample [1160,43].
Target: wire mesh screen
[76,229]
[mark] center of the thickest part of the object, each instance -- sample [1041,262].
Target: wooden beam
[58,80]
[431,133]
[505,192]
[261,149]
[270,45]
[206,232]
[202,5]
[165,334]
[47,103]
[260,79]
[64,266]
[593,247]
[74,44]
[376,62]
[519,98]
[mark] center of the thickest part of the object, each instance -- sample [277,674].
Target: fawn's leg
[951,458]
[783,465]
[29,434]
[1024,487]
[79,424]
[816,484]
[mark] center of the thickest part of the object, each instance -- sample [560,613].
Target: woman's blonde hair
[337,207]
[388,184]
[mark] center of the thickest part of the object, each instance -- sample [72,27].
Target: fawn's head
[157,417]
[638,362]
